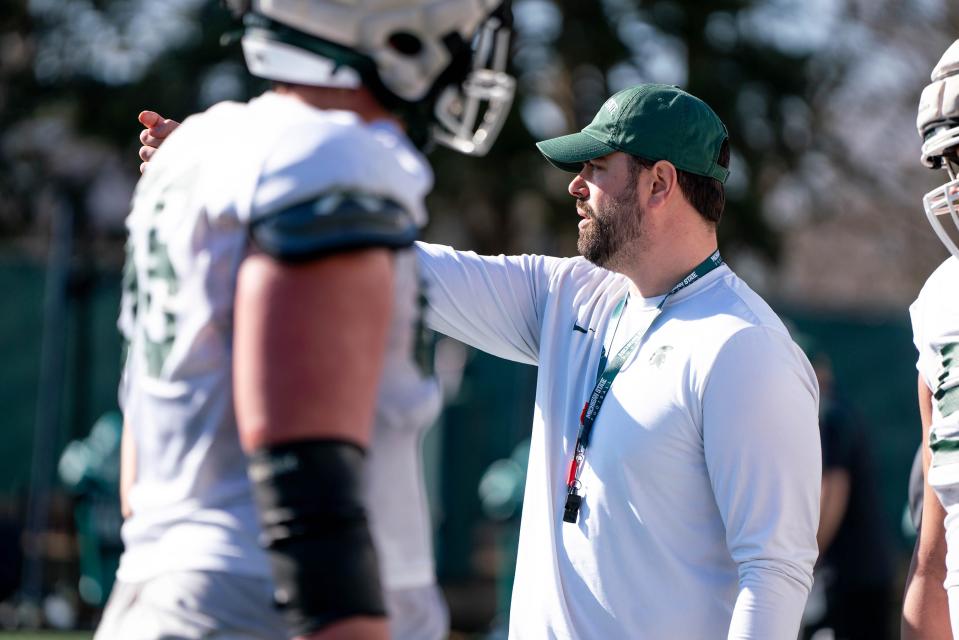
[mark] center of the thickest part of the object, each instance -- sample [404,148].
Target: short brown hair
[705,194]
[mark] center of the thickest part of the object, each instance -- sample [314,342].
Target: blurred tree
[787,77]
[571,55]
[73,76]
[75,73]
[18,93]
[854,208]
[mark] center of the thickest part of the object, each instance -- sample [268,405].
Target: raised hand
[156,131]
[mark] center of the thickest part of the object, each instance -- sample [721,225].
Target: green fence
[92,360]
[872,356]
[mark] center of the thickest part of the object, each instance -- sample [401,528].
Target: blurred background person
[853,596]
[90,468]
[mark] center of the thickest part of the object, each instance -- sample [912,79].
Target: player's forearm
[769,606]
[925,607]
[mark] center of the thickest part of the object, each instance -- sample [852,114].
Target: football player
[259,311]
[932,589]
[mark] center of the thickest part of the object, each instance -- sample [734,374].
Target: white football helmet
[439,62]
[938,124]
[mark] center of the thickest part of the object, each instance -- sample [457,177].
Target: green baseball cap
[653,121]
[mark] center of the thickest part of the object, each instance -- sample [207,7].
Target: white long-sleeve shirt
[702,478]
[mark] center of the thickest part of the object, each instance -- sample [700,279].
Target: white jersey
[935,326]
[408,404]
[702,477]
[189,231]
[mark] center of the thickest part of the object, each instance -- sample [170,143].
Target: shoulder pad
[331,222]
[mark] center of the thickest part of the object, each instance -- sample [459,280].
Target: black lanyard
[605,380]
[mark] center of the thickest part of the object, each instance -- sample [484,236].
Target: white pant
[191,605]
[220,606]
[417,613]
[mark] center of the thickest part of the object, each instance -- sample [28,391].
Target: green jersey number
[149,292]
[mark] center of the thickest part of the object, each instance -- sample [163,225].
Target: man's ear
[663,183]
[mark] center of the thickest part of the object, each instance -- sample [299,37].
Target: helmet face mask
[485,95]
[938,124]
[439,64]
[942,206]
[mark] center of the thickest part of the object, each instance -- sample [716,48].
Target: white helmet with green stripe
[938,124]
[440,64]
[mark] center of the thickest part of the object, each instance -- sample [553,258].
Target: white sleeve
[123,387]
[927,361]
[494,303]
[761,439]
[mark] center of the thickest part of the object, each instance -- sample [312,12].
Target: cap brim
[570,152]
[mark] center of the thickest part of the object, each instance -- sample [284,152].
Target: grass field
[46,635]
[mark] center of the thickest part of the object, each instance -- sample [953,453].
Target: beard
[612,231]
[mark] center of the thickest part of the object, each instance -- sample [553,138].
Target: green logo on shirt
[659,356]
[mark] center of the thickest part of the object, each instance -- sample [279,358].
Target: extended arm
[494,303]
[761,439]
[925,609]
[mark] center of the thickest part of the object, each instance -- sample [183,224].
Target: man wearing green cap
[674,470]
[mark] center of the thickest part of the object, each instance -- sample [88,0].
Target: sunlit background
[823,217]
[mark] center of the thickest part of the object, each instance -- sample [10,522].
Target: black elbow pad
[310,500]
